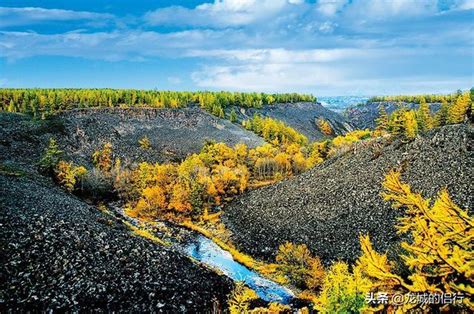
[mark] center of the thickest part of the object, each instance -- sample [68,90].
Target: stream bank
[206,251]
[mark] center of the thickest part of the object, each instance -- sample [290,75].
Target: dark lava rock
[329,206]
[301,116]
[364,116]
[173,133]
[58,253]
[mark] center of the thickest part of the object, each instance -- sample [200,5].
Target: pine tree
[410,125]
[342,292]
[458,109]
[382,120]
[439,253]
[50,157]
[233,116]
[396,121]
[423,117]
[441,116]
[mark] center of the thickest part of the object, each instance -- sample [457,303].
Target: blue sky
[324,47]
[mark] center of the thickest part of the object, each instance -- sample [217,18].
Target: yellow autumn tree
[410,125]
[299,266]
[439,252]
[102,159]
[342,291]
[382,120]
[153,202]
[240,298]
[324,126]
[423,117]
[180,198]
[68,174]
[457,111]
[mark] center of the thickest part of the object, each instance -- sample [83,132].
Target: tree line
[409,122]
[418,99]
[41,102]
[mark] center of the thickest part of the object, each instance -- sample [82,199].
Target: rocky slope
[173,133]
[363,116]
[300,116]
[328,206]
[59,253]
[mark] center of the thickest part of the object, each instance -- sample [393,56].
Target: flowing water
[209,253]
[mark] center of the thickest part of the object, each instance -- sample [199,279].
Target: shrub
[342,292]
[297,264]
[51,157]
[324,126]
[67,174]
[239,299]
[102,159]
[144,143]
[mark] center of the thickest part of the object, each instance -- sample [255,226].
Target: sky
[323,47]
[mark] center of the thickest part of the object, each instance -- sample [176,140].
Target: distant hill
[173,133]
[340,103]
[364,115]
[301,116]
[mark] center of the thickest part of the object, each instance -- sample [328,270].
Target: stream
[209,253]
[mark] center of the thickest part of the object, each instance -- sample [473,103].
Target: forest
[417,99]
[409,122]
[44,102]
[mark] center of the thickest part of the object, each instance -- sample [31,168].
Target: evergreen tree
[233,116]
[382,120]
[423,117]
[458,109]
[441,116]
[409,124]
[396,121]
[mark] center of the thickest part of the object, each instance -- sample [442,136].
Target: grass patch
[141,232]
[11,171]
[144,233]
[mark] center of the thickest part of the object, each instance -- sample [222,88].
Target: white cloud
[266,77]
[31,15]
[111,46]
[327,27]
[380,9]
[330,7]
[174,80]
[463,5]
[220,13]
[279,55]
